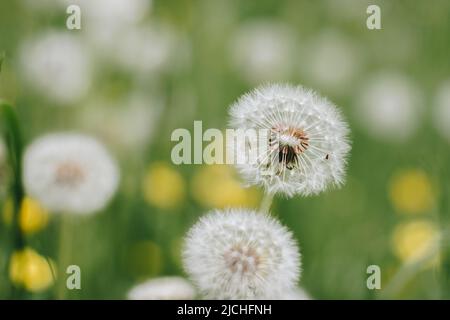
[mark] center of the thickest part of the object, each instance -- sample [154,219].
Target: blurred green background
[138,73]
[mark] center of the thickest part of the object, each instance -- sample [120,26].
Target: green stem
[64,252]
[266,203]
[12,136]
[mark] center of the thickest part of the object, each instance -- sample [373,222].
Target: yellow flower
[163,186]
[32,271]
[215,186]
[411,192]
[33,217]
[414,240]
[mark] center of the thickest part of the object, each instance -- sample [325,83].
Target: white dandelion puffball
[147,49]
[389,107]
[163,288]
[262,51]
[127,123]
[241,254]
[57,65]
[332,61]
[70,173]
[295,294]
[441,110]
[306,145]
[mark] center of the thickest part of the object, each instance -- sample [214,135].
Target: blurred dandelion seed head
[412,192]
[307,148]
[331,61]
[149,49]
[389,107]
[127,124]
[57,65]
[241,254]
[163,288]
[69,172]
[262,51]
[30,270]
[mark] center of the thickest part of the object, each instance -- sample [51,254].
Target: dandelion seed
[70,173]
[307,144]
[241,254]
[164,288]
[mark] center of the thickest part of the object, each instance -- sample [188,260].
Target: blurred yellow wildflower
[32,271]
[145,259]
[163,186]
[33,217]
[414,240]
[411,192]
[215,186]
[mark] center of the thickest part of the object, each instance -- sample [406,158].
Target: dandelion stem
[266,203]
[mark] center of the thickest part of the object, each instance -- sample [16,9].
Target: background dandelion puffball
[70,173]
[163,288]
[307,142]
[58,66]
[241,254]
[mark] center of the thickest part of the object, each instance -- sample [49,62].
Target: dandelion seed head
[262,50]
[332,61]
[389,107]
[241,254]
[57,65]
[163,288]
[296,294]
[307,144]
[70,173]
